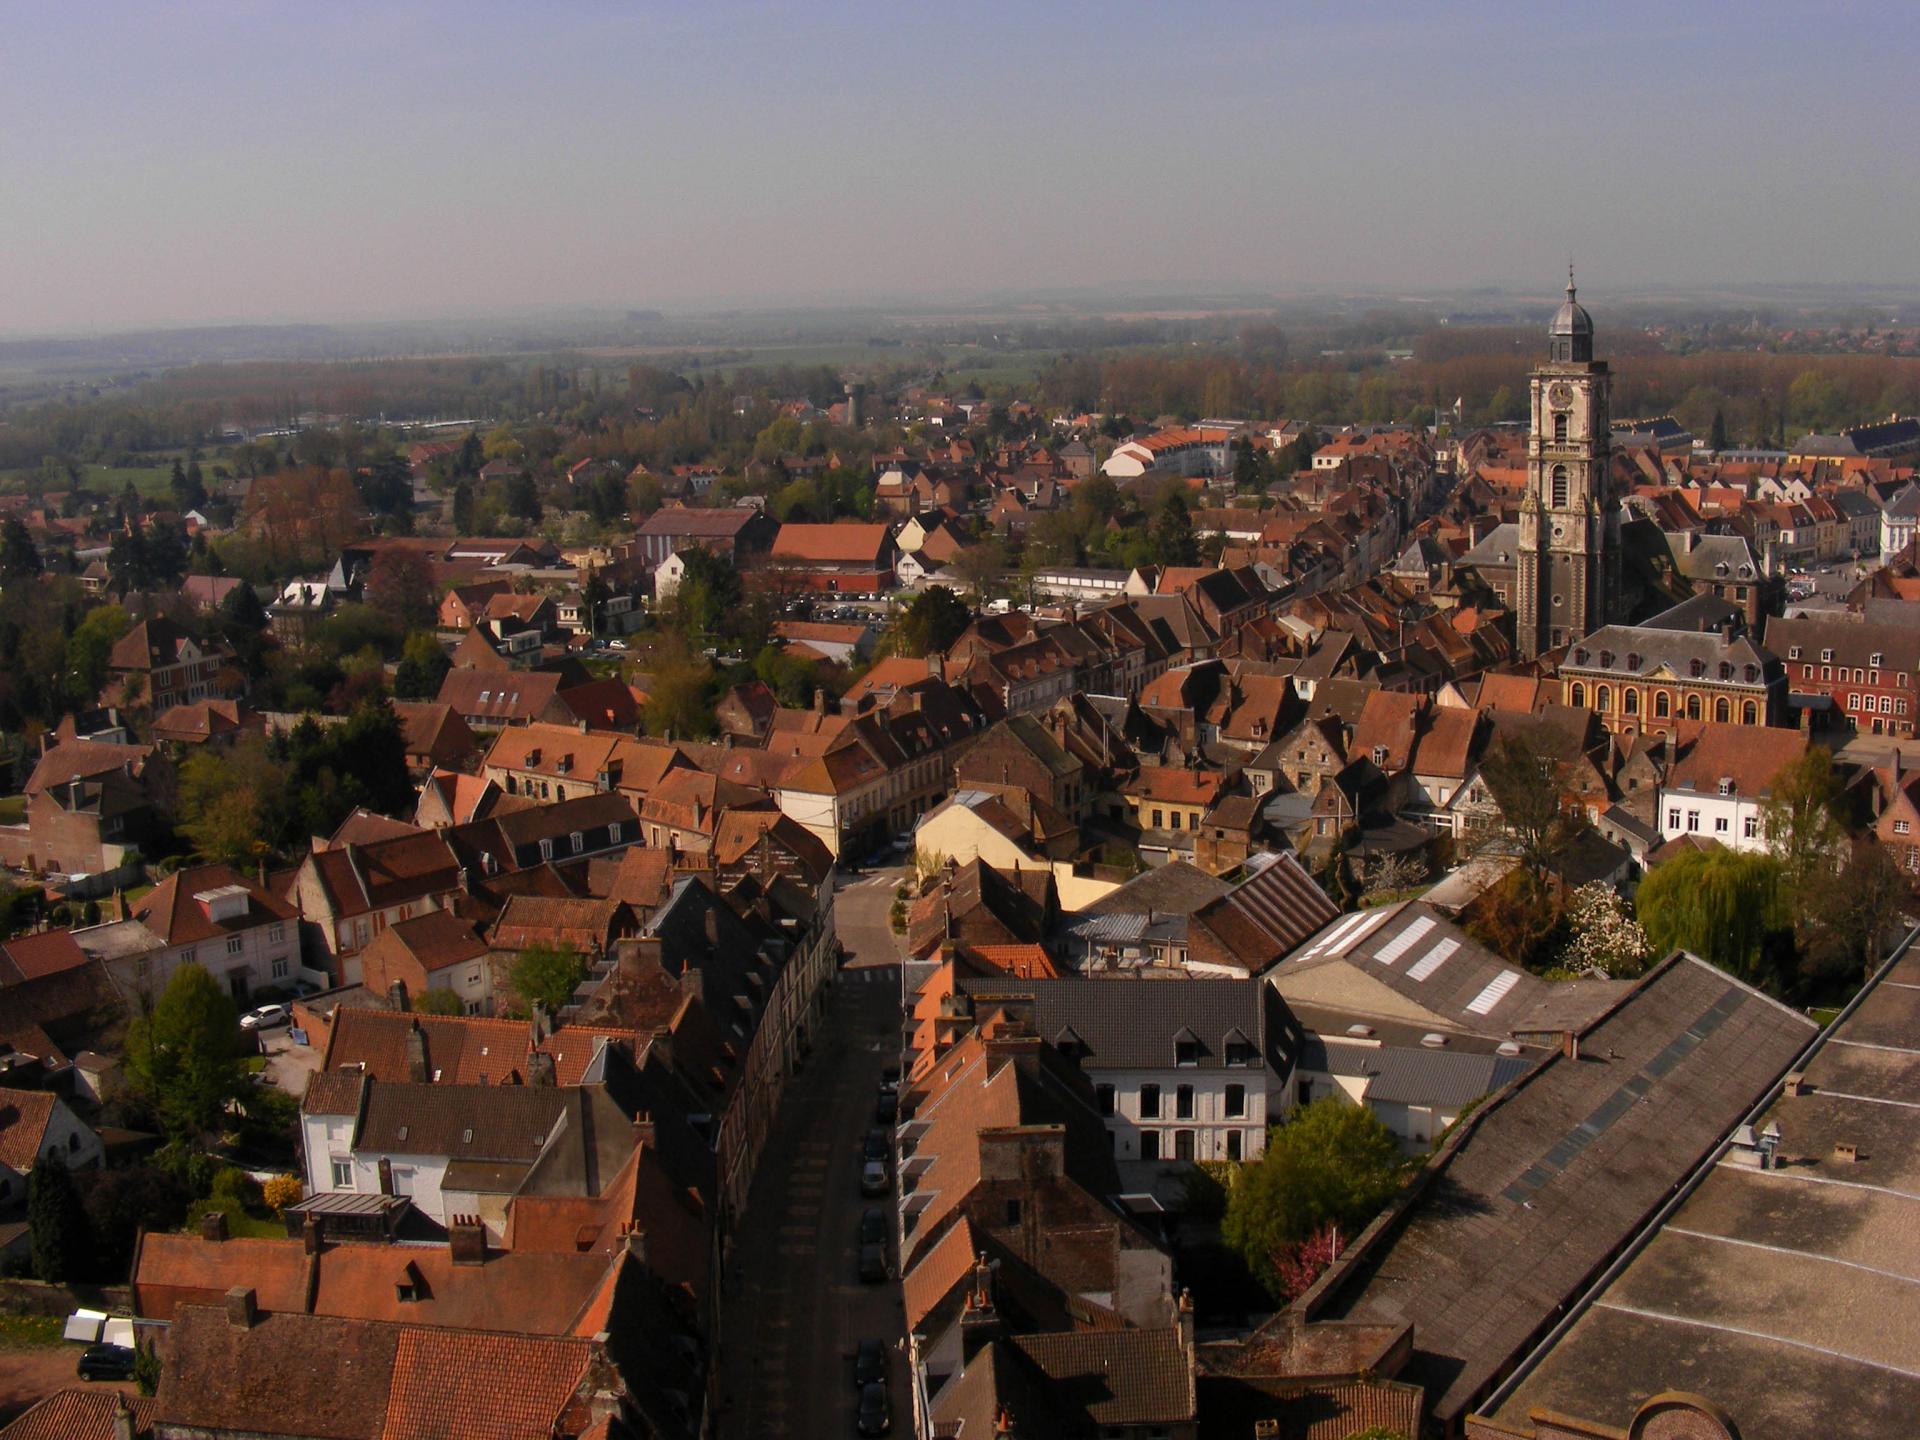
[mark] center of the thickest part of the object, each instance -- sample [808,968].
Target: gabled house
[35,1124]
[212,916]
[348,896]
[160,665]
[435,951]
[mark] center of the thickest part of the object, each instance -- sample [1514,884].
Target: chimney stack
[386,1176]
[213,1227]
[310,1235]
[416,1048]
[242,1308]
[1184,1308]
[397,996]
[540,1069]
[979,1319]
[1570,1045]
[467,1240]
[642,1128]
[634,1240]
[122,1417]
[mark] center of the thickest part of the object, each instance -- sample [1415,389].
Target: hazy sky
[230,160]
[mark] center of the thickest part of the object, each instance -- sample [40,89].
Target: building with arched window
[1694,662]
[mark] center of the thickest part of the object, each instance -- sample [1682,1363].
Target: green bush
[233,1187]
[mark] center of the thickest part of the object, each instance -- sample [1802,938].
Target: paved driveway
[795,1305]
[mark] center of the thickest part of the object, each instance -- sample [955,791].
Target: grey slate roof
[467,1122]
[1131,1024]
[1499,546]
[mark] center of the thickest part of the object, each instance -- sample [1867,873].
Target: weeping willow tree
[1720,904]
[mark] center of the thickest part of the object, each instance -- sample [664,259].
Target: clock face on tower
[1560,395]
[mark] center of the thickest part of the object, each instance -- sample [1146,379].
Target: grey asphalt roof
[1131,1024]
[1420,956]
[1552,1177]
[1178,886]
[1414,1076]
[1810,1270]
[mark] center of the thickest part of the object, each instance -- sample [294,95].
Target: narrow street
[795,1305]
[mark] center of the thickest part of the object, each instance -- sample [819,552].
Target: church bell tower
[1569,579]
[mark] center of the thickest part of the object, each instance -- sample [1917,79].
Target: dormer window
[1380,756]
[1753,673]
[1726,670]
[1580,657]
[1793,653]
[1726,785]
[1186,1048]
[1877,658]
[1826,657]
[1633,661]
[1606,659]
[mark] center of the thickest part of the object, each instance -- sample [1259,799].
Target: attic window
[1877,658]
[1794,653]
[466,1137]
[1360,1032]
[1507,1047]
[403,1133]
[1433,1040]
[1606,659]
[1380,756]
[1726,785]
[1633,661]
[1580,656]
[1826,657]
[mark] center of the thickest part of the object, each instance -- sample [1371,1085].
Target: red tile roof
[80,1415]
[48,953]
[24,1115]
[454,1386]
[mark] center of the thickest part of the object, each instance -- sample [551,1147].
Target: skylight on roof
[1432,960]
[1404,941]
[1495,992]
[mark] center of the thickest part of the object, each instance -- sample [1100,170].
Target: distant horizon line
[1067,301]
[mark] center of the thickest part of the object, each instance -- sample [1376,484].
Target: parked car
[876,1418]
[266,1017]
[105,1362]
[887,1108]
[870,1363]
[873,1226]
[873,1264]
[890,1078]
[873,1178]
[879,1146]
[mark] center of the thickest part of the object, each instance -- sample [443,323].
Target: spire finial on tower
[1569,277]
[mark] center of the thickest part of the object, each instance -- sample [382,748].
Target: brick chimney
[467,1240]
[1184,1311]
[540,1068]
[310,1235]
[416,1050]
[242,1308]
[643,1132]
[386,1176]
[979,1317]
[633,1240]
[213,1227]
[397,997]
[122,1417]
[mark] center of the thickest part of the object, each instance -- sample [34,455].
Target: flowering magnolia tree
[1297,1266]
[1603,938]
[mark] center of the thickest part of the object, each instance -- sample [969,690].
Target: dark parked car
[879,1146]
[887,1107]
[875,1416]
[873,1226]
[873,1264]
[870,1364]
[105,1362]
[873,1178]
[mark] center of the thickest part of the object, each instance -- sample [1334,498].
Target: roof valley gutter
[1651,1227]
